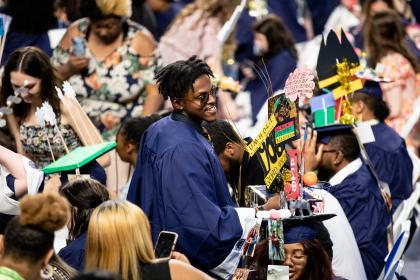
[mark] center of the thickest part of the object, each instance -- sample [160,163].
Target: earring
[47,272]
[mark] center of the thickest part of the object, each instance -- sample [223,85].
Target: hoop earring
[47,272]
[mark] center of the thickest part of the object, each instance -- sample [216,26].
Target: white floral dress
[116,83]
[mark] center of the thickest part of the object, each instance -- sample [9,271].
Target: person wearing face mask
[29,74]
[274,47]
[334,152]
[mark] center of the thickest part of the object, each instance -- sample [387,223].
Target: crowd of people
[183,108]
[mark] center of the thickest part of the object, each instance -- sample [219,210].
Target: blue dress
[279,67]
[181,187]
[74,253]
[365,209]
[391,161]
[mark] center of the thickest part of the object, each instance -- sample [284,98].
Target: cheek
[300,269]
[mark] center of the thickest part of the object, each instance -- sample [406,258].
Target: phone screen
[165,244]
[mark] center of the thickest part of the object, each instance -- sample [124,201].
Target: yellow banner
[275,169]
[259,140]
[354,85]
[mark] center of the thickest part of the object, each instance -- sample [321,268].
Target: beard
[324,173]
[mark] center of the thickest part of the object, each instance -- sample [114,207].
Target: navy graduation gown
[180,185]
[391,161]
[279,67]
[365,209]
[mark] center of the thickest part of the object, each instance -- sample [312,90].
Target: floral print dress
[116,83]
[36,147]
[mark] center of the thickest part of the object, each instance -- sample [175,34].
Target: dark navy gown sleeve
[192,199]
[368,218]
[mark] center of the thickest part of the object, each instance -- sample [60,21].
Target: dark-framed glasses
[204,96]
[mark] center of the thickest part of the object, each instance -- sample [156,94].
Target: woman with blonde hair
[119,241]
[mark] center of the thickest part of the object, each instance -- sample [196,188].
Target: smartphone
[79,46]
[165,244]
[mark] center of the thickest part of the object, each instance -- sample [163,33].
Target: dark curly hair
[84,196]
[30,235]
[132,129]
[221,132]
[176,79]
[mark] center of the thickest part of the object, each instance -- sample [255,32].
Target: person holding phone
[178,180]
[110,61]
[119,241]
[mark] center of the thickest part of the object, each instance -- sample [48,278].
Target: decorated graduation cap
[337,65]
[323,108]
[308,228]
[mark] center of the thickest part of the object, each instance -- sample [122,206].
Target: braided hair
[176,79]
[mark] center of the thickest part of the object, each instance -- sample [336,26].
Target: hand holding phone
[78,46]
[165,244]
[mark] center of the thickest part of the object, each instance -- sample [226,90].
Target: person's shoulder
[76,29]
[181,270]
[387,140]
[143,41]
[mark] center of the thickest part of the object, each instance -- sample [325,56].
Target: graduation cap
[372,88]
[82,160]
[325,133]
[337,65]
[308,228]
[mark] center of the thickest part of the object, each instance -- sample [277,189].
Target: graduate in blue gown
[273,46]
[178,181]
[388,152]
[336,157]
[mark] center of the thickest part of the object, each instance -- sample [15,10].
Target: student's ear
[229,150]
[130,148]
[357,107]
[339,158]
[48,257]
[177,104]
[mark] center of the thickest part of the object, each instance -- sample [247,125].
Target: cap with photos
[298,230]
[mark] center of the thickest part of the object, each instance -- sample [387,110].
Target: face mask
[256,50]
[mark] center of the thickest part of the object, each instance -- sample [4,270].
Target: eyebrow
[30,84]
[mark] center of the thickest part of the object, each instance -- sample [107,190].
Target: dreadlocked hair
[176,79]
[221,132]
